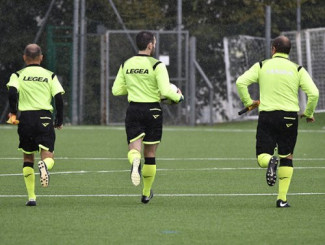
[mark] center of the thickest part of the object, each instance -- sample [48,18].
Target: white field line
[161,169]
[175,195]
[172,129]
[165,159]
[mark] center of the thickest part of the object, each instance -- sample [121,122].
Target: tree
[208,20]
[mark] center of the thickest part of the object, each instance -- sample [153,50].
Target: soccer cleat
[282,204]
[136,172]
[145,199]
[271,171]
[44,174]
[31,203]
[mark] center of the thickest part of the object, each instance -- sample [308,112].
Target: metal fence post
[75,66]
[228,79]
[192,80]
[268,31]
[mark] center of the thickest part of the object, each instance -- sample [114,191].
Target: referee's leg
[134,157]
[149,170]
[29,178]
[46,163]
[285,173]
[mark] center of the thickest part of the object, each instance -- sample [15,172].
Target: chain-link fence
[241,52]
[104,53]
[308,50]
[119,47]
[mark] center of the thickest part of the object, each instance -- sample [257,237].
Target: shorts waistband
[144,103]
[286,112]
[36,112]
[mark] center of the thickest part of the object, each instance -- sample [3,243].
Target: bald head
[281,44]
[33,54]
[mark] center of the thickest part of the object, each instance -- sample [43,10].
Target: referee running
[31,90]
[144,80]
[279,81]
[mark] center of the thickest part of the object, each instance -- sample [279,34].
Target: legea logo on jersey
[35,79]
[137,71]
[281,72]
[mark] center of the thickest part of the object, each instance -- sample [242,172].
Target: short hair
[33,51]
[143,39]
[282,44]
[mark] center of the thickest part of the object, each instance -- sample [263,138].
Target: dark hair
[32,51]
[282,44]
[143,39]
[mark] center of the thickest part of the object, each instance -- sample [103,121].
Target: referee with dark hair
[144,80]
[279,81]
[31,91]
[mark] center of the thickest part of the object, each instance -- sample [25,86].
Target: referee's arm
[58,122]
[119,86]
[13,99]
[242,83]
[308,86]
[164,84]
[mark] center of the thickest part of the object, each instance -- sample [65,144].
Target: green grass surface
[208,190]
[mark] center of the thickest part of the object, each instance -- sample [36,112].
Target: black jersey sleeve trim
[53,75]
[59,109]
[261,64]
[13,99]
[155,65]
[17,74]
[299,67]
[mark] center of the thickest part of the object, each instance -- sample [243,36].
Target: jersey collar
[143,55]
[33,65]
[281,55]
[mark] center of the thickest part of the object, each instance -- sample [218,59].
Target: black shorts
[276,129]
[144,120]
[36,131]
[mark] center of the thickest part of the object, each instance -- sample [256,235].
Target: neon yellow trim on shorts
[27,152]
[284,156]
[43,147]
[155,109]
[138,137]
[45,118]
[291,118]
[150,143]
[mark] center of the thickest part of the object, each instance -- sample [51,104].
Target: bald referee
[31,91]
[279,81]
[144,79]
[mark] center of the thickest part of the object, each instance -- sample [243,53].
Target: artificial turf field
[208,190]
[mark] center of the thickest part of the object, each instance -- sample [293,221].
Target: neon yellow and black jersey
[36,86]
[279,81]
[144,79]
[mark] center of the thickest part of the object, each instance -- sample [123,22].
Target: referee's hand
[58,125]
[12,119]
[182,96]
[308,119]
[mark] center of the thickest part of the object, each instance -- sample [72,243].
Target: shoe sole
[286,206]
[271,172]
[44,174]
[135,175]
